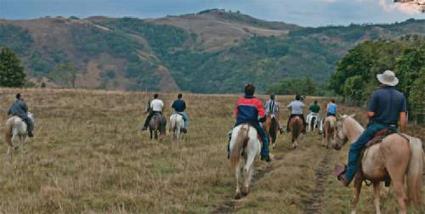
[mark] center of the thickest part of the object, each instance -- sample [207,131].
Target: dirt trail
[313,204]
[232,205]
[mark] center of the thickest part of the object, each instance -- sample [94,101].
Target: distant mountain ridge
[213,51]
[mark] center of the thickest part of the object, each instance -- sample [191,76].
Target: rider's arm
[25,107]
[403,121]
[403,115]
[261,111]
[370,114]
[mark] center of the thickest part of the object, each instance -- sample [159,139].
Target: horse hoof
[238,196]
[245,193]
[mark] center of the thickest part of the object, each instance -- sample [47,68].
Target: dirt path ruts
[313,204]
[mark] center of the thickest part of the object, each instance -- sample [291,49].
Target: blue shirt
[387,103]
[332,108]
[179,105]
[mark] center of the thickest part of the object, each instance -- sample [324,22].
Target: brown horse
[295,127]
[398,156]
[271,127]
[157,125]
[329,131]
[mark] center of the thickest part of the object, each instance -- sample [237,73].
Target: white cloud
[407,8]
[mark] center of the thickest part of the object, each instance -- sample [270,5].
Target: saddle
[379,136]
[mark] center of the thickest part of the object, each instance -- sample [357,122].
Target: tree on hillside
[64,74]
[11,72]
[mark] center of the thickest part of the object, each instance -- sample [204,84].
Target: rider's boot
[30,134]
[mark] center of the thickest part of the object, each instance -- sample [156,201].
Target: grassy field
[89,156]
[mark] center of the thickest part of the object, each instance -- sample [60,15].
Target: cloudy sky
[302,12]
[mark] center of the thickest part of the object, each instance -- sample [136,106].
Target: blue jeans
[357,147]
[185,118]
[263,136]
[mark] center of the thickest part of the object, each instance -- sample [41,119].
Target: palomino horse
[157,125]
[295,127]
[16,132]
[176,124]
[271,127]
[397,156]
[329,132]
[243,143]
[312,121]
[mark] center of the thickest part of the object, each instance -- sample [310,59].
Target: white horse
[312,121]
[176,125]
[244,143]
[16,132]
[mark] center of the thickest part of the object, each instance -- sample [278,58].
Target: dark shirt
[387,103]
[315,108]
[179,105]
[18,108]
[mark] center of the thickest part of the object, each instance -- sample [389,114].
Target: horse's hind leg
[248,170]
[376,192]
[397,178]
[237,176]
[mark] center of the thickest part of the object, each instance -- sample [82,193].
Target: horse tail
[8,132]
[415,171]
[240,142]
[296,127]
[173,122]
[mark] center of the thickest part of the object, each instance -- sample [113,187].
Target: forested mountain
[213,51]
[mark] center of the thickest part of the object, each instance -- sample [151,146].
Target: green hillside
[209,56]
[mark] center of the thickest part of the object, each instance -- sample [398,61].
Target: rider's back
[387,103]
[296,107]
[18,108]
[248,110]
[157,105]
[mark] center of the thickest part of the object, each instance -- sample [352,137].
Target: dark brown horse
[271,127]
[295,127]
[157,126]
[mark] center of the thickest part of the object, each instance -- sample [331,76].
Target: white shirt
[296,107]
[157,105]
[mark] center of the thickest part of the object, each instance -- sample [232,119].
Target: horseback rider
[387,107]
[155,107]
[331,108]
[179,107]
[272,110]
[314,112]
[314,108]
[19,108]
[250,109]
[297,109]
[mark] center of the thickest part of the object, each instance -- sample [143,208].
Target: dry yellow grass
[89,156]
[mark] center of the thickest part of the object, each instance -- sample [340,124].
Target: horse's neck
[354,129]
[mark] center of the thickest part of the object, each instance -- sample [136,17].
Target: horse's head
[342,131]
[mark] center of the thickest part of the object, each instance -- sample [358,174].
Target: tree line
[355,76]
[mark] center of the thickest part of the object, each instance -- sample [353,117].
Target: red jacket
[248,110]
